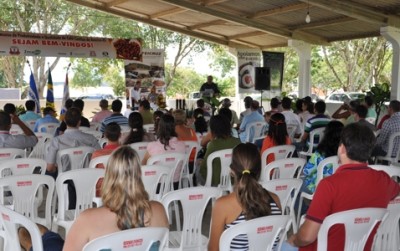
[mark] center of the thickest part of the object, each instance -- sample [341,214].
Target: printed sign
[195,197]
[24,183]
[133,243]
[360,220]
[248,59]
[265,229]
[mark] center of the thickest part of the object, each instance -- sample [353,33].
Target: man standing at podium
[209,88]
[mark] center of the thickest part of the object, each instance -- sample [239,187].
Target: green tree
[116,80]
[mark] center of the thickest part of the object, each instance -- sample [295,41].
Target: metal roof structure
[260,24]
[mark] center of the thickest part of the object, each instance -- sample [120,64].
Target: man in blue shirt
[48,117]
[30,113]
[254,116]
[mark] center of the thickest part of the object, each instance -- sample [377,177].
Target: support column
[392,35]
[303,49]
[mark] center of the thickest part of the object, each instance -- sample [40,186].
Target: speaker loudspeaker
[263,78]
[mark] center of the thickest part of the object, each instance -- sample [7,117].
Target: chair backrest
[85,181]
[11,153]
[283,169]
[194,201]
[190,147]
[96,134]
[154,176]
[76,158]
[22,166]
[103,142]
[39,150]
[140,148]
[388,235]
[358,224]
[255,130]
[291,129]
[15,129]
[30,123]
[261,233]
[391,156]
[149,128]
[280,152]
[333,161]
[175,161]
[95,126]
[200,136]
[225,156]
[315,134]
[130,240]
[24,190]
[11,221]
[99,160]
[392,170]
[48,127]
[286,189]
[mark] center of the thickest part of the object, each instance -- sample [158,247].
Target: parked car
[340,97]
[97,96]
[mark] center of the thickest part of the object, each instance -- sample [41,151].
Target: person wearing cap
[210,87]
[254,116]
[103,113]
[48,117]
[226,103]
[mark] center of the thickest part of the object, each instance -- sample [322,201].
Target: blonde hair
[123,191]
[179,116]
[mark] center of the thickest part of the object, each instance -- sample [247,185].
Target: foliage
[116,80]
[380,94]
[222,60]
[85,75]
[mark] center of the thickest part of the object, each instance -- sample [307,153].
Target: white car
[340,97]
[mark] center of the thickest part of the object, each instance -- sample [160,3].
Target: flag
[33,93]
[65,95]
[50,95]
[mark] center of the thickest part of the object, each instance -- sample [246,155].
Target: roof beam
[115,2]
[357,11]
[212,2]
[248,34]
[137,17]
[206,24]
[167,12]
[279,10]
[335,21]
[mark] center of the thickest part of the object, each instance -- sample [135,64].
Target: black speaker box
[263,78]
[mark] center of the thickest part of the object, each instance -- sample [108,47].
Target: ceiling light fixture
[308,18]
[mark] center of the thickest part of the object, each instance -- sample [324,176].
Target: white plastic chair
[15,129]
[48,128]
[283,169]
[392,170]
[334,161]
[85,181]
[95,126]
[30,123]
[287,191]
[200,136]
[97,134]
[190,147]
[39,150]
[24,190]
[314,134]
[11,221]
[194,201]
[140,148]
[176,161]
[279,152]
[77,157]
[22,166]
[225,157]
[261,233]
[391,156]
[84,129]
[11,153]
[358,225]
[130,240]
[99,160]
[154,176]
[255,130]
[149,128]
[388,235]
[291,130]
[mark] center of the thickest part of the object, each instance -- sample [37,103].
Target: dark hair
[137,132]
[361,111]
[5,121]
[69,103]
[255,105]
[369,100]
[73,117]
[226,112]
[310,107]
[274,103]
[145,104]
[320,107]
[30,105]
[166,129]
[200,123]
[277,130]
[308,99]
[103,103]
[286,103]
[10,108]
[200,103]
[79,103]
[330,142]
[299,105]
[247,102]
[156,118]
[353,104]
[47,110]
[359,140]
[246,166]
[395,105]
[116,105]
[220,126]
[112,131]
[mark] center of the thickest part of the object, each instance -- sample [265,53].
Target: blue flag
[50,95]
[33,93]
[65,95]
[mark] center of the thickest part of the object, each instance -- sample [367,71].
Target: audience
[30,113]
[126,204]
[291,118]
[144,110]
[21,141]
[369,103]
[103,113]
[346,112]
[10,109]
[48,117]
[116,116]
[254,116]
[68,104]
[360,115]
[137,133]
[80,104]
[249,200]
[183,132]
[247,105]
[274,103]
[156,118]
[226,103]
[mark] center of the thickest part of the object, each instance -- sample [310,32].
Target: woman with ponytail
[248,200]
[277,134]
[126,203]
